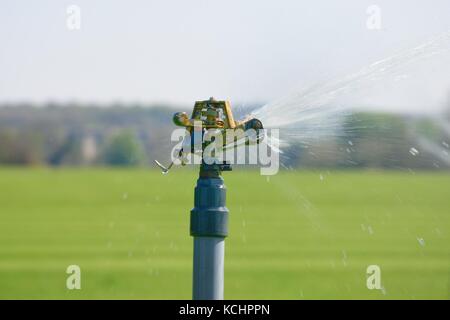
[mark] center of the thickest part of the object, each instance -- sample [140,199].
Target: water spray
[209,217]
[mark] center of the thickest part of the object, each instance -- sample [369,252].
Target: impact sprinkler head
[216,116]
[211,125]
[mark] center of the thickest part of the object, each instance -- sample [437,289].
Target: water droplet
[414,151]
[344,258]
[421,241]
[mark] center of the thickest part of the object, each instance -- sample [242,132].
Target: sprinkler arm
[163,169]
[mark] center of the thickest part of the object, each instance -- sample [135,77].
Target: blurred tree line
[135,135]
[74,135]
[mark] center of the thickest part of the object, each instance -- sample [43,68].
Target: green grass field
[298,235]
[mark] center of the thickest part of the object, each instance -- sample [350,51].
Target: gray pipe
[209,227]
[208,268]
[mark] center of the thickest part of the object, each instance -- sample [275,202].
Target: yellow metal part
[211,113]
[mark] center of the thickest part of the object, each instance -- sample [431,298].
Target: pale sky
[178,51]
